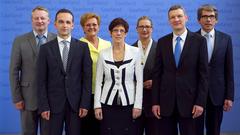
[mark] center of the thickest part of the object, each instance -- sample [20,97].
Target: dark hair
[175,7]
[118,21]
[64,11]
[207,7]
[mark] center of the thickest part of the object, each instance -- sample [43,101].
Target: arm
[14,74]
[201,98]
[98,88]
[229,93]
[137,109]
[156,82]
[42,81]
[86,80]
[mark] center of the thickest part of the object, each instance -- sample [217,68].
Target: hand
[45,115]
[227,105]
[82,112]
[20,105]
[197,111]
[136,113]
[156,111]
[147,84]
[98,113]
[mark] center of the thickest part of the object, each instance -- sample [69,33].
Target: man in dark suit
[221,83]
[146,122]
[23,70]
[180,77]
[64,78]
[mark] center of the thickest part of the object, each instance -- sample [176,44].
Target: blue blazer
[186,85]
[55,86]
[221,80]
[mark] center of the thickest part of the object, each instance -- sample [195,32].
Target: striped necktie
[65,54]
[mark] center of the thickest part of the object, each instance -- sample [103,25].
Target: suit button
[117,84]
[117,78]
[66,77]
[117,71]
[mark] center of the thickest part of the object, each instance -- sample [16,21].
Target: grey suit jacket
[22,71]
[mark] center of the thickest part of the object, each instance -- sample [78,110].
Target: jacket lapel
[32,43]
[186,47]
[71,53]
[56,53]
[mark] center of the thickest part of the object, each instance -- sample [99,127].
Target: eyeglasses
[117,31]
[208,16]
[144,27]
[91,24]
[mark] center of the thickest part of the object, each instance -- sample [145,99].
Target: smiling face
[64,24]
[91,27]
[177,20]
[40,21]
[207,20]
[144,29]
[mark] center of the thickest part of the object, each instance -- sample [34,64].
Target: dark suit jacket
[55,86]
[22,70]
[148,75]
[186,85]
[221,82]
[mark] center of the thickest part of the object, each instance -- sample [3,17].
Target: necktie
[65,54]
[209,46]
[177,50]
[41,40]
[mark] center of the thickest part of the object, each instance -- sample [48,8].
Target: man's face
[91,27]
[177,19]
[207,20]
[64,24]
[40,21]
[144,29]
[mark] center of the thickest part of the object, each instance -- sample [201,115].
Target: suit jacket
[221,80]
[183,86]
[120,79]
[22,69]
[148,75]
[55,86]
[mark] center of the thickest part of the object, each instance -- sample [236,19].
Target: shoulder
[104,42]
[25,36]
[135,43]
[78,42]
[222,34]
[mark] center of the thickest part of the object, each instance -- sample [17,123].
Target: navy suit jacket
[55,86]
[185,86]
[148,75]
[221,80]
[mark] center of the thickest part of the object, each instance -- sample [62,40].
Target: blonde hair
[87,16]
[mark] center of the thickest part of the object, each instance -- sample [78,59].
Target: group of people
[90,86]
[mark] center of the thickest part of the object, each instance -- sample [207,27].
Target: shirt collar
[212,32]
[183,36]
[61,39]
[35,33]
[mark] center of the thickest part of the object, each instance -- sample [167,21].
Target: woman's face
[91,27]
[118,34]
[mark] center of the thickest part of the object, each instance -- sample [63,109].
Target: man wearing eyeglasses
[147,47]
[220,65]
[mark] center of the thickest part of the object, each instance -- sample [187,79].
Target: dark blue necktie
[177,51]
